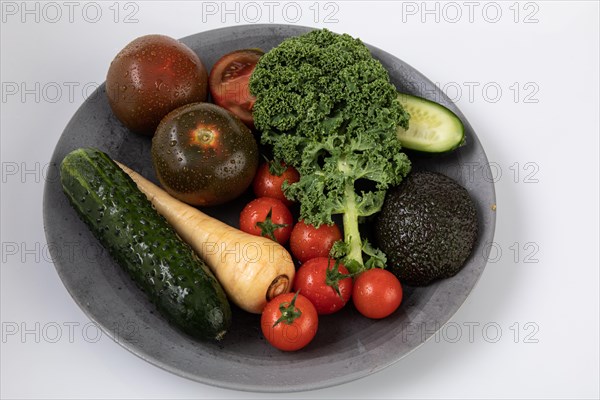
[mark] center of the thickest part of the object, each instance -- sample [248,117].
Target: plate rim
[307,386]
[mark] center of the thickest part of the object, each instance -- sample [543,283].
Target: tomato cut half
[229,83]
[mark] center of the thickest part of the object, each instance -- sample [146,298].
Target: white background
[543,144]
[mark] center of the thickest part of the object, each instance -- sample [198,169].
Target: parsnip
[251,269]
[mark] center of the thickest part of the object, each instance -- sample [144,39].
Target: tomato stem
[333,276]
[289,312]
[268,228]
[277,167]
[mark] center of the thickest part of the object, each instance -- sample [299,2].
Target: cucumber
[173,277]
[432,127]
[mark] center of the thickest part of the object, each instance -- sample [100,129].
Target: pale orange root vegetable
[251,269]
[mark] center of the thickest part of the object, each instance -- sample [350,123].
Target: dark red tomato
[267,217]
[204,155]
[326,286]
[308,242]
[270,177]
[377,293]
[289,321]
[228,82]
[152,76]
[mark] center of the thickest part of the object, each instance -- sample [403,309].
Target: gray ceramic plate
[347,345]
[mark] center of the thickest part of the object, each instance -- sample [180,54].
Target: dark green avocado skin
[427,228]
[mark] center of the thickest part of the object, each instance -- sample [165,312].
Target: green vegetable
[433,127]
[427,227]
[329,109]
[144,244]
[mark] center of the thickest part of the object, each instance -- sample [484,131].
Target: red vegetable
[228,83]
[325,282]
[377,293]
[308,242]
[289,322]
[267,217]
[152,76]
[269,180]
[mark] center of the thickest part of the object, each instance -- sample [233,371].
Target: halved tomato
[228,83]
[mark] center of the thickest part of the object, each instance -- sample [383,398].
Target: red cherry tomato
[228,83]
[326,286]
[289,321]
[267,217]
[269,178]
[377,293]
[308,242]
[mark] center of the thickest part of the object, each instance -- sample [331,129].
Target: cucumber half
[432,128]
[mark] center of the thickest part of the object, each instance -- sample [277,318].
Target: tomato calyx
[268,227]
[276,167]
[289,312]
[333,276]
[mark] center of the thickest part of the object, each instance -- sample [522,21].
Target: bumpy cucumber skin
[175,279]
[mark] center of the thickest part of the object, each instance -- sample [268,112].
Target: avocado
[427,227]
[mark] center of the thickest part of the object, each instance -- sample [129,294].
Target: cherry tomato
[289,321]
[269,178]
[228,83]
[326,286]
[377,293]
[150,77]
[267,217]
[308,242]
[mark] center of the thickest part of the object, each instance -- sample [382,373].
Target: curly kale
[328,108]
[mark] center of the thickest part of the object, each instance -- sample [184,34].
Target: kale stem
[351,232]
